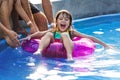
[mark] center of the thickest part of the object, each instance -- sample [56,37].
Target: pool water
[16,64]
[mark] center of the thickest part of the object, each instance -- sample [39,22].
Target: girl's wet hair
[67,13]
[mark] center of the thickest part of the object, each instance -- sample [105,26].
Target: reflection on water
[103,65]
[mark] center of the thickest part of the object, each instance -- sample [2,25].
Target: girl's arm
[38,34]
[76,33]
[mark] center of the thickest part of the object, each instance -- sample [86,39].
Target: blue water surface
[16,64]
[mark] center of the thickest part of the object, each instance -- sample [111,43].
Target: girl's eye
[67,19]
[60,18]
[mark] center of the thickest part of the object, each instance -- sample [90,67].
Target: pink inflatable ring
[82,47]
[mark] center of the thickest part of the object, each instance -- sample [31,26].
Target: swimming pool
[16,64]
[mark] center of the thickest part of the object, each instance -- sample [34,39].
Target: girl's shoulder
[72,31]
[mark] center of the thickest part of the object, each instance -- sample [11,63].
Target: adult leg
[40,21]
[47,7]
[39,17]
[68,45]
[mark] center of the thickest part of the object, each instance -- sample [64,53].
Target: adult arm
[26,6]
[11,34]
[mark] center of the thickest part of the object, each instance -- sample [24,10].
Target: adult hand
[52,25]
[13,36]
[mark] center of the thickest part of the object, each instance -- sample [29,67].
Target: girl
[64,33]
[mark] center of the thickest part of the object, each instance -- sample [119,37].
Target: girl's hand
[109,47]
[27,38]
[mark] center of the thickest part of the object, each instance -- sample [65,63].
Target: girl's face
[63,22]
